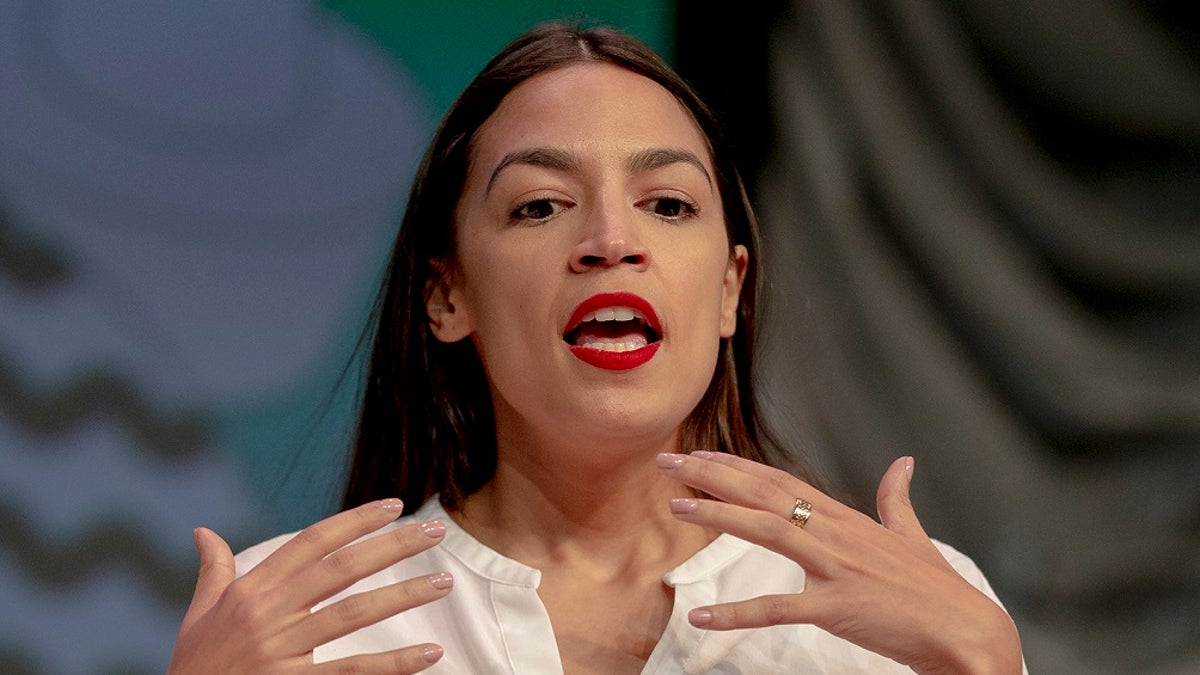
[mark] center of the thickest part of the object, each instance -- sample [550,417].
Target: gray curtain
[983,247]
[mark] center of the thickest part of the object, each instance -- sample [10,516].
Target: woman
[560,389]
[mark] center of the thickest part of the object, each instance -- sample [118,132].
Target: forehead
[598,110]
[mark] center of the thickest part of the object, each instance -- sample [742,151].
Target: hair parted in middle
[426,424]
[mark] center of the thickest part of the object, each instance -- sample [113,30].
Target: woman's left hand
[884,587]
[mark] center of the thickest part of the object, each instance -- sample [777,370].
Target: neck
[600,506]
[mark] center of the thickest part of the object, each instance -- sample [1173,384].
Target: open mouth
[615,331]
[612,329]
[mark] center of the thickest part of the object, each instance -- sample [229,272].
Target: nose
[610,238]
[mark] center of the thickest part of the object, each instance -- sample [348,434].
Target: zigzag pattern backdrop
[195,203]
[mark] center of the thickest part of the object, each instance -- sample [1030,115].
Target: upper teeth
[612,314]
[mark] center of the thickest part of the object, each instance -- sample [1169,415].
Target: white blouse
[494,622]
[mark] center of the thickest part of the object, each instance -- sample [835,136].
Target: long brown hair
[426,425]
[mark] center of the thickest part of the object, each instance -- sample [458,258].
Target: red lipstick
[616,360]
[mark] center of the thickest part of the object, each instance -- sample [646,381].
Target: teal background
[291,446]
[196,204]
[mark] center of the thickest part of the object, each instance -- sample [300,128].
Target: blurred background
[983,235]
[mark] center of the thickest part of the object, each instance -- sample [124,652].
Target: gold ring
[800,513]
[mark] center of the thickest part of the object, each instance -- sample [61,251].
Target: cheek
[705,299]
[503,294]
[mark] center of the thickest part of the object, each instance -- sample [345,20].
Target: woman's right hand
[263,621]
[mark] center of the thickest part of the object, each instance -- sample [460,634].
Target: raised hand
[884,587]
[263,622]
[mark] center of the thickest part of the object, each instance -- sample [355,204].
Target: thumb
[216,572]
[893,501]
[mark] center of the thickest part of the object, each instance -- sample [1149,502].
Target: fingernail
[684,505]
[441,580]
[670,460]
[432,653]
[700,617]
[196,537]
[908,468]
[432,528]
[703,454]
[391,504]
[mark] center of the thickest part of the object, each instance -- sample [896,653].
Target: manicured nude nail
[703,454]
[391,504]
[432,653]
[441,580]
[700,617]
[670,460]
[908,468]
[432,528]
[684,505]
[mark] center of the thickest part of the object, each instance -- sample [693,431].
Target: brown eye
[671,208]
[538,209]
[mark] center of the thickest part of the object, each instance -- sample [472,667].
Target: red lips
[616,360]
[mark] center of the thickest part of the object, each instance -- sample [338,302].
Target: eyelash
[516,214]
[687,209]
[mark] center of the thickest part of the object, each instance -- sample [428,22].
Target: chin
[625,421]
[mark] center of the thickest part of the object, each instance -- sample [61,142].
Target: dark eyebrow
[656,158]
[558,160]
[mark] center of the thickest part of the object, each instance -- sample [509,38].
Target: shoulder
[967,569]
[958,560]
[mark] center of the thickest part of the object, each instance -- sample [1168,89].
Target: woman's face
[594,274]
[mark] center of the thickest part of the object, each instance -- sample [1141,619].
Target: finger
[772,490]
[896,510]
[759,527]
[893,500]
[319,540]
[338,570]
[765,610]
[748,466]
[216,573]
[400,662]
[364,609]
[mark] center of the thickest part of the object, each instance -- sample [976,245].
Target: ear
[444,304]
[735,275]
